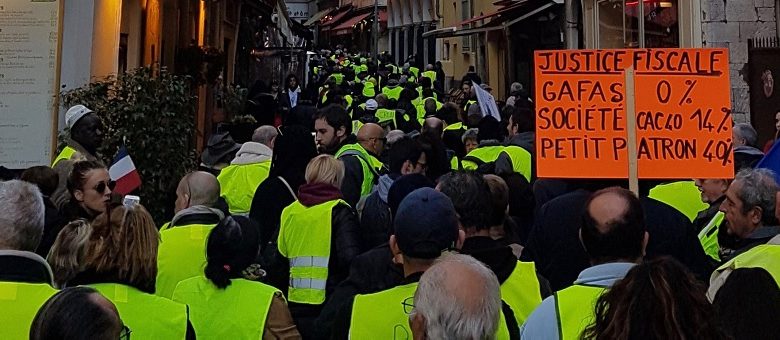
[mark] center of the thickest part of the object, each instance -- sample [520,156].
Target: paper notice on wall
[28,75]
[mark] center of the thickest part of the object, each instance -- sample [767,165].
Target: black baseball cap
[426,224]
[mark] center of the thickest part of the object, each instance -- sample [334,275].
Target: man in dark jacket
[374,270]
[471,196]
[425,226]
[406,157]
[746,155]
[750,210]
[334,134]
[555,247]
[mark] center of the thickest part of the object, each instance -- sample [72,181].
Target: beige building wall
[456,59]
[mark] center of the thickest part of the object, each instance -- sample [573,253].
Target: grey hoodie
[251,153]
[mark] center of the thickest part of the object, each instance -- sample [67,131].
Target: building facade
[680,23]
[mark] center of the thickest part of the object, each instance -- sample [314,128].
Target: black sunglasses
[101,187]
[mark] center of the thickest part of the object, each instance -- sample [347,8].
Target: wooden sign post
[633,114]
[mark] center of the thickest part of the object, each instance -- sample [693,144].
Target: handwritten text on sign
[682,108]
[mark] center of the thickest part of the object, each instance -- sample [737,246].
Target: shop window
[465,11]
[637,23]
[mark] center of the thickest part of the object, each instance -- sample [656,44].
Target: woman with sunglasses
[90,190]
[121,263]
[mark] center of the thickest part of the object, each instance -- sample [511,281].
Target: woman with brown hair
[121,263]
[658,299]
[90,189]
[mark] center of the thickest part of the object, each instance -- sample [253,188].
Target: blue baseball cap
[426,224]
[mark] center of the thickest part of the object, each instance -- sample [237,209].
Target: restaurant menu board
[28,81]
[682,110]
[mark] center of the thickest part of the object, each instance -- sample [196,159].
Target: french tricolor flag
[124,173]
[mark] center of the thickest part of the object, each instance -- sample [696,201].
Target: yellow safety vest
[521,291]
[338,78]
[708,236]
[765,256]
[393,93]
[468,103]
[415,71]
[683,196]
[368,90]
[237,312]
[66,154]
[421,109]
[180,256]
[430,75]
[19,303]
[419,95]
[455,126]
[485,154]
[304,239]
[385,315]
[148,316]
[455,163]
[575,307]
[385,115]
[356,125]
[369,163]
[238,183]
[521,160]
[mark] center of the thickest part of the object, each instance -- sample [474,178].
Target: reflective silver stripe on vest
[307,284]
[309,261]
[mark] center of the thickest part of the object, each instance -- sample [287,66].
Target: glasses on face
[125,335]
[101,187]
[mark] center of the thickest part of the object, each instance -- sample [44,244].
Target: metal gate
[763,68]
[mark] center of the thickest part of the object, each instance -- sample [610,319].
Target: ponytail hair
[232,247]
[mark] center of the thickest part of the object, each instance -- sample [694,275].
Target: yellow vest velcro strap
[307,284]
[309,261]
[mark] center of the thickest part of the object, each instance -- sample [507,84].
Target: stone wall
[729,24]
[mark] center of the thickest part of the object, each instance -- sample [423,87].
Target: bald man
[182,251]
[614,236]
[433,126]
[361,163]
[372,137]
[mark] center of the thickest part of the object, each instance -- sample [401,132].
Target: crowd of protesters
[372,204]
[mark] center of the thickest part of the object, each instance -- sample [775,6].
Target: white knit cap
[371,104]
[74,114]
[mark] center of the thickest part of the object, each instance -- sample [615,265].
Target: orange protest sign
[682,112]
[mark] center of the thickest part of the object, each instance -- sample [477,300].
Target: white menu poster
[29,34]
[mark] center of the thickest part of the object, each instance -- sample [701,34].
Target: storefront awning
[524,10]
[335,18]
[346,26]
[494,14]
[316,17]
